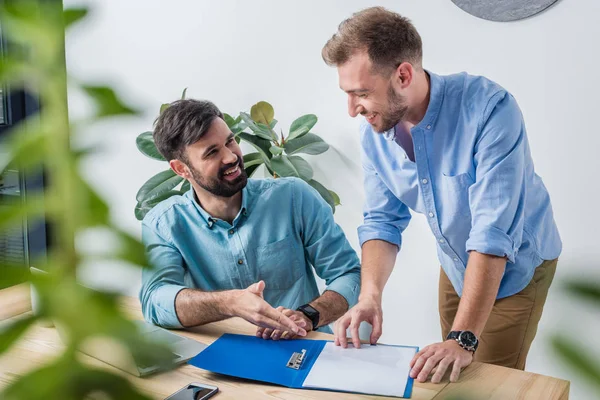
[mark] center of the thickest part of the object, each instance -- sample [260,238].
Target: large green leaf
[142,208]
[251,159]
[258,129]
[145,144]
[586,290]
[291,166]
[304,169]
[107,101]
[12,275]
[325,193]
[185,187]
[130,249]
[72,15]
[276,150]
[309,144]
[579,359]
[14,213]
[158,185]
[302,126]
[9,335]
[228,120]
[262,112]
[252,169]
[95,210]
[260,144]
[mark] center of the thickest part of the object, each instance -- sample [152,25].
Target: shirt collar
[209,220]
[436,95]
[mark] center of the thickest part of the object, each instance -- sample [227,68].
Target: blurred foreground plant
[36,63]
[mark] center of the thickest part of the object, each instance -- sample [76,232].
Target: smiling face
[372,94]
[214,162]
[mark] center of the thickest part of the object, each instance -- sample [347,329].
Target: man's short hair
[388,38]
[183,123]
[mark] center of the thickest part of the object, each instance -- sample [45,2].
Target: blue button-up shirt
[283,232]
[473,179]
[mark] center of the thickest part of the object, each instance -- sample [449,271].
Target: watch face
[468,338]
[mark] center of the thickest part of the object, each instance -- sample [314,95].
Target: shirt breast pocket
[279,263]
[456,194]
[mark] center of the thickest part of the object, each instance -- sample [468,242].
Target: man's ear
[180,169]
[404,75]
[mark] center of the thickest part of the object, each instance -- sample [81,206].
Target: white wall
[239,52]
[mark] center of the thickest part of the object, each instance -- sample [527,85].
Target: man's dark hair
[183,123]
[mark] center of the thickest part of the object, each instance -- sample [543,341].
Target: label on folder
[317,364]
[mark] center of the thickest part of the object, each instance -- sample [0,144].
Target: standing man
[455,149]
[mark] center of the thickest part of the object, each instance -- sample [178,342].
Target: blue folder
[254,358]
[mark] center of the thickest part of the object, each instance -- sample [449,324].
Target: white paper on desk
[379,369]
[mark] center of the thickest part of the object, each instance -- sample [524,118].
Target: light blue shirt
[473,179]
[283,232]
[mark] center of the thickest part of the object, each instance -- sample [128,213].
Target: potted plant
[278,153]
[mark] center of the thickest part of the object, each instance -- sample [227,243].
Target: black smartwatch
[466,339]
[311,313]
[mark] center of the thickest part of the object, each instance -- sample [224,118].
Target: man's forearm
[378,259]
[482,280]
[195,307]
[330,305]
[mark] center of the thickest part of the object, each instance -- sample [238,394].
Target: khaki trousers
[508,333]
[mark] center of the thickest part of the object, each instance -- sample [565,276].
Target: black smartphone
[194,391]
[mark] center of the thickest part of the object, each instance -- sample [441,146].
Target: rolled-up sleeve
[385,216]
[497,197]
[328,250]
[162,280]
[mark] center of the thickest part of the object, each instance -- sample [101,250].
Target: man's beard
[219,186]
[397,109]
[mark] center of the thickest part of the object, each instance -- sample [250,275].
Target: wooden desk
[478,381]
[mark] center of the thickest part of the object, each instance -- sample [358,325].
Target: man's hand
[249,305]
[367,309]
[296,316]
[441,355]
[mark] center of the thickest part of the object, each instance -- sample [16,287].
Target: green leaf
[262,112]
[9,335]
[291,166]
[185,187]
[95,210]
[183,94]
[163,107]
[72,15]
[228,120]
[336,198]
[107,101]
[159,184]
[131,249]
[142,208]
[276,150]
[69,380]
[262,132]
[309,144]
[14,213]
[26,145]
[12,275]
[586,290]
[273,123]
[260,144]
[146,145]
[302,126]
[579,360]
[326,194]
[304,169]
[252,169]
[251,159]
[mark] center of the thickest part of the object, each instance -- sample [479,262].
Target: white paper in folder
[378,369]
